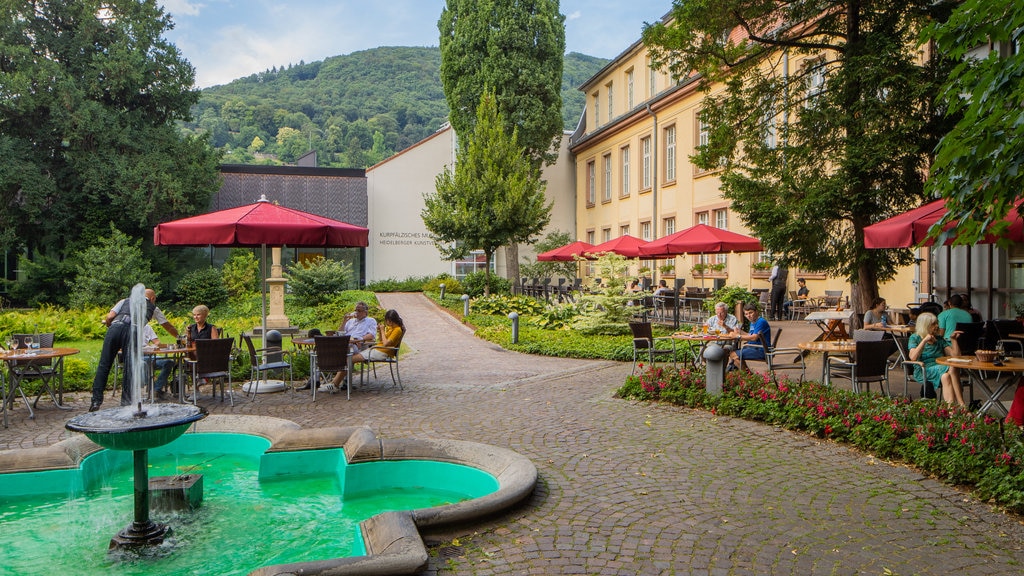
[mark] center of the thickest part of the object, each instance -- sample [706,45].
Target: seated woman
[875,318]
[200,330]
[391,333]
[926,345]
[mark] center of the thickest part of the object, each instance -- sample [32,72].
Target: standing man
[117,339]
[778,279]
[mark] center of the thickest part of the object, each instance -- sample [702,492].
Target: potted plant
[667,269]
[717,267]
[699,269]
[1019,309]
[761,269]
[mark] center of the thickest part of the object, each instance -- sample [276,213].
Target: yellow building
[634,175]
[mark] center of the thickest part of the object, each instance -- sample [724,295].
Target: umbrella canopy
[626,245]
[260,224]
[700,239]
[910,228]
[566,253]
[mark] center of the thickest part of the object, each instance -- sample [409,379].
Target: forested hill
[355,110]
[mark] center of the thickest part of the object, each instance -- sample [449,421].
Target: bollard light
[465,304]
[442,290]
[717,358]
[515,326]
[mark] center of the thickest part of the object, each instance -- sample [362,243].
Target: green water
[243,523]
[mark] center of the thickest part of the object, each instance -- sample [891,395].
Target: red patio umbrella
[566,253]
[625,245]
[260,224]
[910,228]
[700,239]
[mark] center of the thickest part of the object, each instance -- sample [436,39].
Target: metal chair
[775,355]
[332,354]
[870,363]
[41,370]
[644,343]
[260,364]
[212,362]
[391,361]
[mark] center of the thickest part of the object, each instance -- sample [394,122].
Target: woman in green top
[926,344]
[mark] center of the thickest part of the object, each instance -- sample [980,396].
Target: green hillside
[355,110]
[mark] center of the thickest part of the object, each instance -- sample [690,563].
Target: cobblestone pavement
[633,488]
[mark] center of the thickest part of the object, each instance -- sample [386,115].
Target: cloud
[182,7]
[574,16]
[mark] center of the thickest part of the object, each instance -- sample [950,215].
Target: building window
[624,153]
[815,81]
[670,154]
[652,81]
[722,219]
[770,129]
[606,234]
[606,162]
[611,101]
[645,147]
[629,89]
[624,230]
[597,109]
[591,185]
[703,132]
[590,237]
[669,226]
[645,231]
[702,218]
[475,261]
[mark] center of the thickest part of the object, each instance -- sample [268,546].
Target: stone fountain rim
[393,539]
[80,423]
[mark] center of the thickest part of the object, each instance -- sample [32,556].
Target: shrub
[411,284]
[314,282]
[241,273]
[203,286]
[451,285]
[475,282]
[502,305]
[107,271]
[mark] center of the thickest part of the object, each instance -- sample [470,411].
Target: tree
[978,163]
[810,155]
[91,96]
[516,50]
[493,198]
[107,271]
[551,240]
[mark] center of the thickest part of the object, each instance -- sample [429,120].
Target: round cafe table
[1007,367]
[13,357]
[175,352]
[703,340]
[827,347]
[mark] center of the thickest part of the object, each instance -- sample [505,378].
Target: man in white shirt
[361,330]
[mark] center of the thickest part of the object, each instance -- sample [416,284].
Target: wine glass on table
[28,341]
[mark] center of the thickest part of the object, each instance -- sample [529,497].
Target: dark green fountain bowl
[125,428]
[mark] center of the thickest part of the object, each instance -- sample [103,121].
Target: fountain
[137,429]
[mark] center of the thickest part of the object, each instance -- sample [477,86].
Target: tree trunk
[512,263]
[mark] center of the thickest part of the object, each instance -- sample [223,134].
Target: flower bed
[952,443]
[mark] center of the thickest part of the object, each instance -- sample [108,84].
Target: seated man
[361,330]
[801,296]
[760,333]
[723,322]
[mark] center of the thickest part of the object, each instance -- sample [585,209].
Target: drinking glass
[28,341]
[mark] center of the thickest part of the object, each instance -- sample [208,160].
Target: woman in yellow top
[390,335]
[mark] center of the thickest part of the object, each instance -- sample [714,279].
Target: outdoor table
[827,347]
[1009,366]
[831,323]
[175,352]
[26,355]
[901,315]
[309,345]
[703,340]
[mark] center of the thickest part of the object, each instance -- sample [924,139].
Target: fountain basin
[123,429]
[389,542]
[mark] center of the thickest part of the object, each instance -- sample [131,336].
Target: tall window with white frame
[645,149]
[597,108]
[770,128]
[645,231]
[624,230]
[721,221]
[652,80]
[668,226]
[606,165]
[609,96]
[815,80]
[606,234]
[591,184]
[624,154]
[629,89]
[703,218]
[670,154]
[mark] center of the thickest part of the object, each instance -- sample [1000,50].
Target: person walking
[778,278]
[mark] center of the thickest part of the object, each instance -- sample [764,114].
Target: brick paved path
[631,488]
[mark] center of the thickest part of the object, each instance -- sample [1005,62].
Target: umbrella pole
[263,298]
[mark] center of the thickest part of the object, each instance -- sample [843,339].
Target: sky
[229,39]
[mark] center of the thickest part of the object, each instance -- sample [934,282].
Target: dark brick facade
[338,193]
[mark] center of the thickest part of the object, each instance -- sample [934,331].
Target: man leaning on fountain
[119,322]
